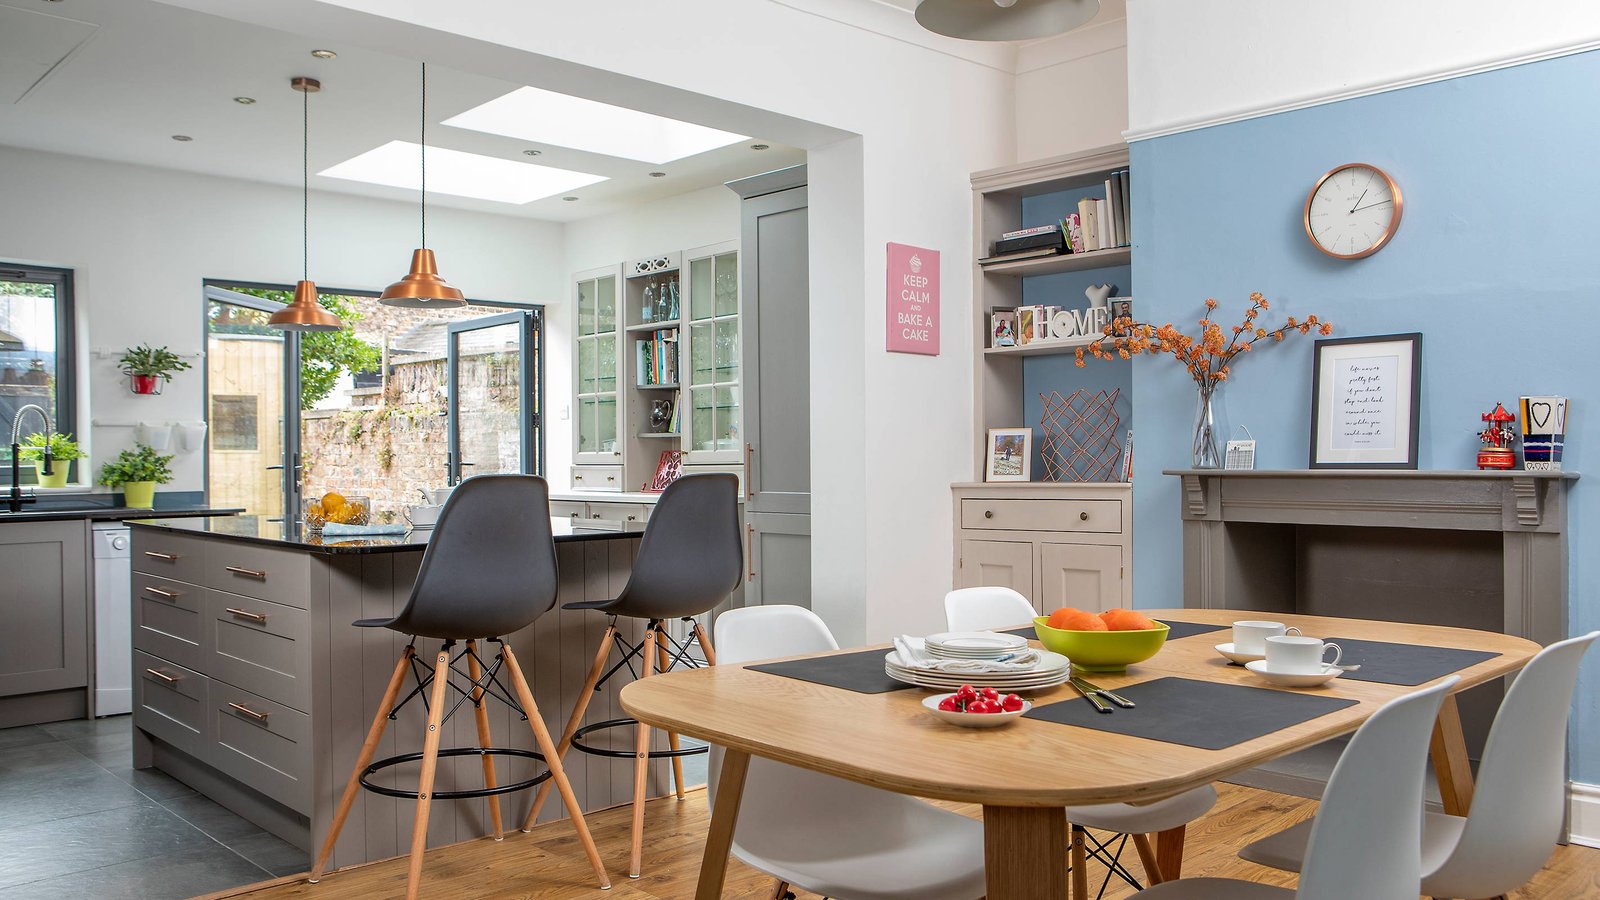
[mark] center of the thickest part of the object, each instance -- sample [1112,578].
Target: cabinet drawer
[168,618]
[1098,516]
[176,556]
[264,744]
[620,512]
[597,478]
[169,701]
[261,644]
[265,573]
[569,509]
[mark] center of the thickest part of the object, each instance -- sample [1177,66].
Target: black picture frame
[1322,454]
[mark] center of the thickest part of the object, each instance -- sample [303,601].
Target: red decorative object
[146,384]
[1080,436]
[668,469]
[1497,438]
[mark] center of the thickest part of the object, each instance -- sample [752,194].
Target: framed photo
[1365,394]
[1003,328]
[1010,455]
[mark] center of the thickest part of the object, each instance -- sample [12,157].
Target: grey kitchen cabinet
[1056,543]
[778,565]
[1088,576]
[44,648]
[996,564]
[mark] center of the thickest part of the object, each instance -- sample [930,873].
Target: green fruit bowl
[1101,651]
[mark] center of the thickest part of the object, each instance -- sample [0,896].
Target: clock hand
[1370,205]
[1359,199]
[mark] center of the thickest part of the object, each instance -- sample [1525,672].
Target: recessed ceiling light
[459,174]
[760,146]
[658,174]
[545,117]
[182,138]
[569,199]
[324,54]
[244,101]
[532,152]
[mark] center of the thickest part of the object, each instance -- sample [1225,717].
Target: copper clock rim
[1388,233]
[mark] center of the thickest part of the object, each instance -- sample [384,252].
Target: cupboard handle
[239,707]
[749,487]
[1083,516]
[611,478]
[595,516]
[577,478]
[988,514]
[248,573]
[165,595]
[247,614]
[161,675]
[750,551]
[169,557]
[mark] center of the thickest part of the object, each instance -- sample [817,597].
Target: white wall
[1072,91]
[684,222]
[1194,63]
[141,241]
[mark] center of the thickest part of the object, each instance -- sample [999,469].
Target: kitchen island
[252,686]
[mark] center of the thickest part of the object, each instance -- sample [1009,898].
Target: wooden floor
[547,864]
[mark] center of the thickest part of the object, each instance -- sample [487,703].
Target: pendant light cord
[424,141]
[305,185]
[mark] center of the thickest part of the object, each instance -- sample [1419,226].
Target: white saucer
[1286,679]
[1236,656]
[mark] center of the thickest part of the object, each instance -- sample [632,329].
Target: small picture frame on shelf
[1003,328]
[1365,400]
[1009,455]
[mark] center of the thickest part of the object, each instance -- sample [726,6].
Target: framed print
[1365,393]
[1010,455]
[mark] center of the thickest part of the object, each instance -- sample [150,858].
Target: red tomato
[984,706]
[1011,703]
[950,704]
[990,693]
[967,692]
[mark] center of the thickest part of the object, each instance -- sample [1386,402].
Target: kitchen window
[36,349]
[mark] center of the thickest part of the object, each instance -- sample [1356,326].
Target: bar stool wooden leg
[541,736]
[369,749]
[1080,866]
[475,672]
[665,663]
[1169,852]
[576,720]
[1147,857]
[641,766]
[430,765]
[705,643]
[780,890]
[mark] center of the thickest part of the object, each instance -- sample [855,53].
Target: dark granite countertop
[107,513]
[272,532]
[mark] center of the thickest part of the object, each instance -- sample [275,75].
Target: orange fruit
[1126,620]
[1070,619]
[1059,618]
[332,500]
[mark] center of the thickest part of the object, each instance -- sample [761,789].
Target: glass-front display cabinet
[595,379]
[712,429]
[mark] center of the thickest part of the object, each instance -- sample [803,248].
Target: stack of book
[1027,243]
[658,358]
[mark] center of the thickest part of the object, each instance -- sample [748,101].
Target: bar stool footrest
[578,744]
[467,794]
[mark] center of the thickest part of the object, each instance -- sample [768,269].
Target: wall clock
[1352,211]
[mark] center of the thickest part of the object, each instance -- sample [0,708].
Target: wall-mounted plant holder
[145,384]
[157,437]
[150,368]
[191,436]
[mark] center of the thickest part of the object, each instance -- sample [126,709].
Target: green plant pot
[57,478]
[139,494]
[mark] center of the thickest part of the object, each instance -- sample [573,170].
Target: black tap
[17,498]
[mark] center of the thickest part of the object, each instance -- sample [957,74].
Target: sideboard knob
[988,514]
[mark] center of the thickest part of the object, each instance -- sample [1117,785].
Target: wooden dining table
[1024,774]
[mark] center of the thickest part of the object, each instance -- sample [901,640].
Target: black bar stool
[689,560]
[489,571]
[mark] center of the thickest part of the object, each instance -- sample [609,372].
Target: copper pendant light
[305,313]
[422,287]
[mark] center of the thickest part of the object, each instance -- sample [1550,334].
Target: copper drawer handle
[165,595]
[750,551]
[248,573]
[247,614]
[239,707]
[161,675]
[749,489]
[169,557]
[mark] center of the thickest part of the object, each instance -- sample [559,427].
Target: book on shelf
[1050,239]
[1104,219]
[1025,232]
[1127,208]
[1089,215]
[1114,197]
[657,359]
[1035,253]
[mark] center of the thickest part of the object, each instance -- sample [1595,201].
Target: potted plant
[137,472]
[63,450]
[147,367]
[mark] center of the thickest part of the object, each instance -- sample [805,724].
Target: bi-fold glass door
[494,419]
[252,406]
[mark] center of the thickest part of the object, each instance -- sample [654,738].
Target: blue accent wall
[1495,262]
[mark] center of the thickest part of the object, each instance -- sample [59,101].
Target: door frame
[531,369]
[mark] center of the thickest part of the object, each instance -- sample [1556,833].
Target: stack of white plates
[973,644]
[1052,669]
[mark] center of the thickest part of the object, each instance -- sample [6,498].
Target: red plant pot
[146,384]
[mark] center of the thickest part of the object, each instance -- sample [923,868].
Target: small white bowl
[973,720]
[1238,656]
[1294,680]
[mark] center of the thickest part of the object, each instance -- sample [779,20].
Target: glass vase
[1206,454]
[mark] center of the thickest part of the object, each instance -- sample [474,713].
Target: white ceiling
[148,71]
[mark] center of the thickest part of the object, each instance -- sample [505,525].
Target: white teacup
[1249,636]
[1295,655]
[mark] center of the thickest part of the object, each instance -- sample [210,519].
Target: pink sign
[912,304]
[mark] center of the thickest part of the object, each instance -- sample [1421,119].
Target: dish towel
[911,652]
[334,529]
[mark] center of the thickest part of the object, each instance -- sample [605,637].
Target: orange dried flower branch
[1209,355]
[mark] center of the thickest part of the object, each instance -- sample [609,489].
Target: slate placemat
[1403,664]
[1193,713]
[1175,630]
[861,672]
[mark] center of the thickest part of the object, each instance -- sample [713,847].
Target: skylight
[545,117]
[460,174]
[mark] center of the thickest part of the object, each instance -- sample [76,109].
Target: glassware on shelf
[648,312]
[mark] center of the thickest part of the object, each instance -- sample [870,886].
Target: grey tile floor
[77,820]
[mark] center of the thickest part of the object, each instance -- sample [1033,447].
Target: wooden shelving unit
[1067,262]
[1044,348]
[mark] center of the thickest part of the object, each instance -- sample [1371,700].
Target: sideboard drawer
[1099,516]
[597,478]
[169,702]
[261,644]
[266,573]
[168,618]
[619,512]
[264,744]
[176,556]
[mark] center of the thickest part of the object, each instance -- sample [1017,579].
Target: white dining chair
[984,608]
[1367,840]
[1518,804]
[834,837]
